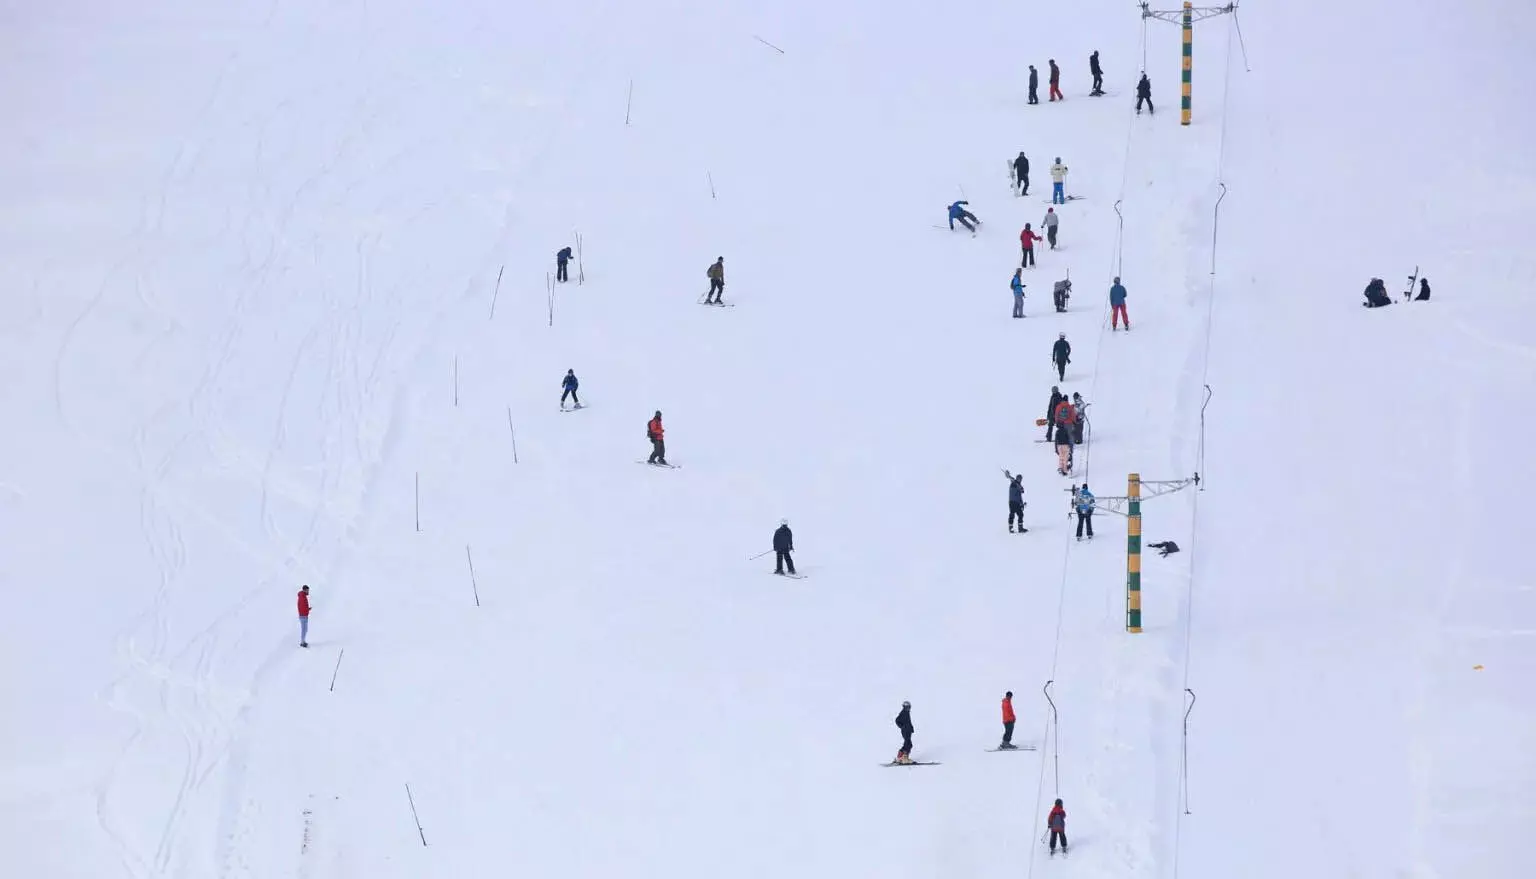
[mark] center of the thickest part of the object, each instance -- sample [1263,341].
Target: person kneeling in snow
[1376,294]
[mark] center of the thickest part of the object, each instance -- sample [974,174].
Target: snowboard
[913,763]
[667,466]
[1413,283]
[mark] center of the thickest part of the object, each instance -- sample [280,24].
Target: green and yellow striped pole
[1189,57]
[1133,550]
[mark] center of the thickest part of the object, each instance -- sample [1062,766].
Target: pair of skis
[938,763]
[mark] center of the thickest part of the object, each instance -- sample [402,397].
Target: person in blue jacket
[561,258]
[569,383]
[966,218]
[1018,292]
[1084,503]
[1117,306]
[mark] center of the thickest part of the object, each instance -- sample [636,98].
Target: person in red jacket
[1057,824]
[1056,82]
[654,431]
[1027,240]
[1008,719]
[304,616]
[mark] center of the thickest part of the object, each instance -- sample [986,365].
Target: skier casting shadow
[783,545]
[904,723]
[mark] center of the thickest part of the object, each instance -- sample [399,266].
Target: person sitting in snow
[1376,294]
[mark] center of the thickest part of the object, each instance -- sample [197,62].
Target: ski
[573,408]
[788,576]
[913,763]
[1014,748]
[668,466]
[1069,198]
[719,304]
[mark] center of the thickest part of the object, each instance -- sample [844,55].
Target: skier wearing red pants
[1117,306]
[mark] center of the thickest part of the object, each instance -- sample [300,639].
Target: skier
[1021,173]
[1050,222]
[1117,306]
[1057,823]
[1164,549]
[1058,182]
[1034,85]
[1144,93]
[1423,291]
[966,218]
[1061,355]
[1008,719]
[783,545]
[654,432]
[1061,293]
[1055,82]
[904,723]
[1083,500]
[1376,294]
[569,383]
[1098,74]
[1015,502]
[716,275]
[561,258]
[1080,414]
[1018,292]
[1027,240]
[304,616]
[1050,411]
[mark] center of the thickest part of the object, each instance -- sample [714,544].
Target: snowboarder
[783,545]
[569,383]
[1050,222]
[1015,502]
[1061,355]
[656,435]
[304,616]
[966,218]
[1083,500]
[1376,294]
[904,723]
[1098,74]
[1008,720]
[1055,81]
[1117,306]
[561,259]
[1021,173]
[1058,182]
[1080,415]
[1165,548]
[1017,284]
[1050,411]
[1064,439]
[716,275]
[1423,291]
[1027,240]
[1144,93]
[1061,293]
[1056,822]
[1034,85]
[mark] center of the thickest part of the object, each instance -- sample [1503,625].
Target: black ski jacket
[783,539]
[1093,65]
[1034,79]
[1061,352]
[1050,410]
[904,721]
[1021,166]
[1144,88]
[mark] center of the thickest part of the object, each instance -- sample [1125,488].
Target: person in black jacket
[1144,93]
[1034,85]
[1015,502]
[561,259]
[1376,294]
[904,723]
[1098,74]
[1050,411]
[1021,172]
[1423,291]
[783,545]
[1061,355]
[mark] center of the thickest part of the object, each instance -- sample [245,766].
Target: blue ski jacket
[1117,295]
[569,383]
[1084,501]
[564,256]
[955,211]
[1017,285]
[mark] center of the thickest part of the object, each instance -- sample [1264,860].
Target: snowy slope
[256,249]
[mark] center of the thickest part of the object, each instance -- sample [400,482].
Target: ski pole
[760,555]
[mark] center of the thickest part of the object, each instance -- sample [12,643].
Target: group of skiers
[1143,86]
[1055,822]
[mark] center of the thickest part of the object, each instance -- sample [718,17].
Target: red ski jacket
[303,605]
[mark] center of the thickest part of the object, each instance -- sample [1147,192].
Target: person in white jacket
[1058,182]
